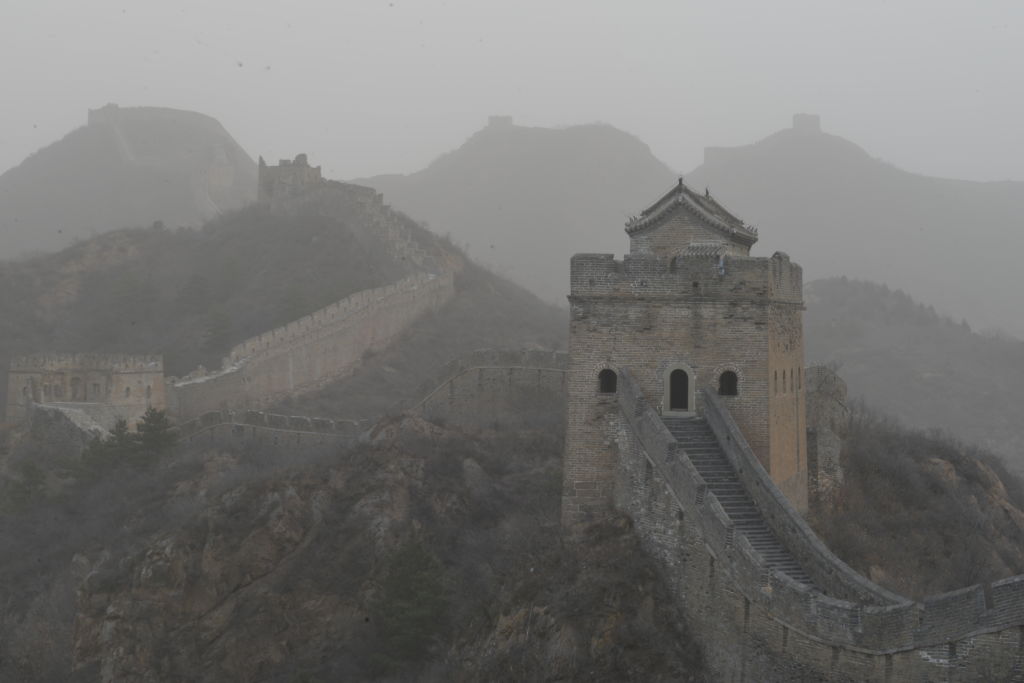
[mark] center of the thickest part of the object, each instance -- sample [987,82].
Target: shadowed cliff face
[128,167]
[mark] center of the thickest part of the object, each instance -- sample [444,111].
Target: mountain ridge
[127,167]
[508,194]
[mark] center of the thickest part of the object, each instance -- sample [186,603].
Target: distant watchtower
[287,179]
[688,310]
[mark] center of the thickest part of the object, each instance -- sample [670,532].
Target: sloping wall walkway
[756,622]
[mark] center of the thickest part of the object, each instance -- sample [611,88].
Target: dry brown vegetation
[922,513]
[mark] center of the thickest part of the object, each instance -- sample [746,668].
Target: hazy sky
[367,87]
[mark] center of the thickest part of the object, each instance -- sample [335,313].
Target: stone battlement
[692,277]
[110,362]
[308,353]
[287,179]
[762,619]
[322,321]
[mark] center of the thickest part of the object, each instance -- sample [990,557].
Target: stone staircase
[696,438]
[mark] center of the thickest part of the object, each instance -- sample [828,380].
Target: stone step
[701,446]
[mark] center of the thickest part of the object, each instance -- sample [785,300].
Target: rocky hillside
[523,200]
[128,167]
[838,211]
[921,513]
[429,555]
[927,370]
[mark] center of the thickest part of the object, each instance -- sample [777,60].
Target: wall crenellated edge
[974,630]
[789,526]
[307,354]
[480,359]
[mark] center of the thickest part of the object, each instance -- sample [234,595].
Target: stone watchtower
[687,311]
[287,179]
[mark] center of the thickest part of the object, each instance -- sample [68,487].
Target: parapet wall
[227,428]
[514,389]
[757,623]
[719,278]
[111,362]
[310,352]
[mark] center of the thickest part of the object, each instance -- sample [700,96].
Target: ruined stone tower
[687,311]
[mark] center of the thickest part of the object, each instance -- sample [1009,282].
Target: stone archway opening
[607,381]
[679,390]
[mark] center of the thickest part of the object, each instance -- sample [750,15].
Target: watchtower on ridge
[687,311]
[289,178]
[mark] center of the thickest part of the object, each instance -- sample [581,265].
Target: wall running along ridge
[227,428]
[488,388]
[310,352]
[475,391]
[756,623]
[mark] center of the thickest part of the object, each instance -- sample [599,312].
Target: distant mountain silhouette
[952,243]
[523,200]
[926,369]
[127,167]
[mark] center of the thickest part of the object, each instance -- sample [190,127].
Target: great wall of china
[763,596]
[306,354]
[756,618]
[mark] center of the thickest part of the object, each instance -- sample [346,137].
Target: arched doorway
[679,390]
[607,381]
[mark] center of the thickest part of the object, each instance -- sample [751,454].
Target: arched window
[607,381]
[728,384]
[149,392]
[127,392]
[679,390]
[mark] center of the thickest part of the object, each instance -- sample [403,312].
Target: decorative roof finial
[707,192]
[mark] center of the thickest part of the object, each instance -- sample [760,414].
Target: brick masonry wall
[756,624]
[306,354]
[514,389]
[651,315]
[110,386]
[228,429]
